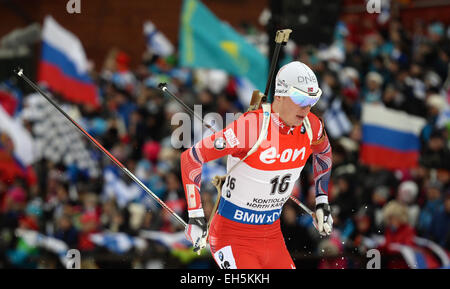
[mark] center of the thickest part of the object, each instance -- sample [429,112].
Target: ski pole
[20,73]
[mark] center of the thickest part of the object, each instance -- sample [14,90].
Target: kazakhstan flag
[207,42]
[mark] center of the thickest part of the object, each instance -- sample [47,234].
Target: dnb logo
[307,79]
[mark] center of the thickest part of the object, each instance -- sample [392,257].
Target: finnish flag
[336,121]
[36,239]
[118,243]
[156,41]
[175,240]
[115,187]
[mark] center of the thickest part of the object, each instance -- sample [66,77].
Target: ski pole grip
[257,99]
[282,36]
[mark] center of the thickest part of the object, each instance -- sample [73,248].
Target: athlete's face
[291,113]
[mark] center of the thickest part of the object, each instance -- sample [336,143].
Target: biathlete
[245,230]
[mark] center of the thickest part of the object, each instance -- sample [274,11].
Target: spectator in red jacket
[397,230]
[89,226]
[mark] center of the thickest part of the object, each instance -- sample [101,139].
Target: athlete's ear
[277,97]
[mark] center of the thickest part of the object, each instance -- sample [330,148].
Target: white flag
[22,139]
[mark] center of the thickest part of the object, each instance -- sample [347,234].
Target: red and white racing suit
[245,231]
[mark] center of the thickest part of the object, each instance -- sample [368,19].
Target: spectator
[14,206]
[406,195]
[380,197]
[397,231]
[89,226]
[436,153]
[373,93]
[66,231]
[440,224]
[363,228]
[331,251]
[433,204]
[397,228]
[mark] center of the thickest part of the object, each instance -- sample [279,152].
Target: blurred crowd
[371,62]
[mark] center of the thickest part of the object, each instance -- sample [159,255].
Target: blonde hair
[397,210]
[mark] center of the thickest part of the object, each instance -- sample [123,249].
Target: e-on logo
[270,155]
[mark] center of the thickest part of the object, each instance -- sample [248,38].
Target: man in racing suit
[245,231]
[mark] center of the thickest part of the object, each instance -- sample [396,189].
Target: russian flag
[64,66]
[8,101]
[390,138]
